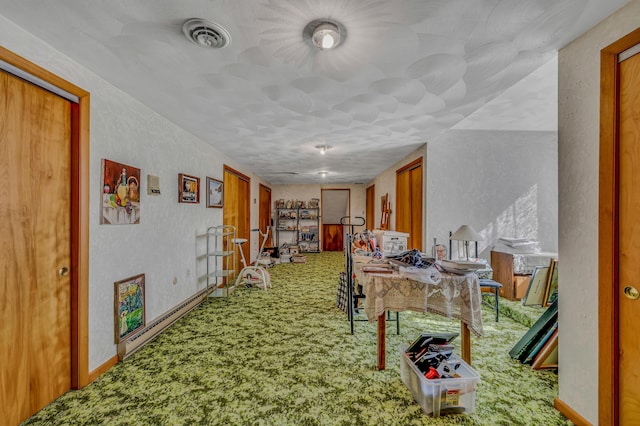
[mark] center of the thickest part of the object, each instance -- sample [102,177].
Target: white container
[441,396]
[391,242]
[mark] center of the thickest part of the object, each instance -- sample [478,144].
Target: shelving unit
[299,227]
[308,234]
[221,260]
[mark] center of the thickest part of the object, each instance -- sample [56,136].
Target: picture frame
[188,189]
[214,192]
[129,301]
[537,287]
[551,293]
[120,189]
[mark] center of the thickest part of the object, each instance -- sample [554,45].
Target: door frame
[608,227]
[79,186]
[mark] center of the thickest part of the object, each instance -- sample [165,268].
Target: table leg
[466,343]
[382,337]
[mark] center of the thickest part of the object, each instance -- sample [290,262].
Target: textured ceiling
[407,71]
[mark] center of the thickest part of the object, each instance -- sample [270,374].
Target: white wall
[578,127]
[163,245]
[503,183]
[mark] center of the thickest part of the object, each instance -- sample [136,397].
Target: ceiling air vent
[206,34]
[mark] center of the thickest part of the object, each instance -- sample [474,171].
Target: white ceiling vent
[206,33]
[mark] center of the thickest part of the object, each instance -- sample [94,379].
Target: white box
[391,242]
[440,396]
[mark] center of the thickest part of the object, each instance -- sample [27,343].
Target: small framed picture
[214,192]
[129,306]
[188,189]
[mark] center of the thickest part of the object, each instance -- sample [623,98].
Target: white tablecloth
[449,295]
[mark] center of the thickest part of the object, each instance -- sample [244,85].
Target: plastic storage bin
[441,396]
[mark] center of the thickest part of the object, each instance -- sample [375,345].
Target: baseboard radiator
[158,325]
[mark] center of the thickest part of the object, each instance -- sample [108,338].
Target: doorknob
[63,272]
[631,292]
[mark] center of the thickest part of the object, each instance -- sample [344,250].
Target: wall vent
[206,34]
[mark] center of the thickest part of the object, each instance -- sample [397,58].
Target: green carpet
[286,357]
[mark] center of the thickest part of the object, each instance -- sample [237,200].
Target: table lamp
[466,233]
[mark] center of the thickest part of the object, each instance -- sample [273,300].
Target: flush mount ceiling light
[323,149]
[324,33]
[323,173]
[206,34]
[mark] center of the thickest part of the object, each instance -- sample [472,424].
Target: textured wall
[503,183]
[578,127]
[163,245]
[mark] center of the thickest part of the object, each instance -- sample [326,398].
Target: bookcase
[298,227]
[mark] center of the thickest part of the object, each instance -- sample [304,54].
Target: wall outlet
[175,280]
[188,272]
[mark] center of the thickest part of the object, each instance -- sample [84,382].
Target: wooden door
[332,237]
[619,237]
[371,208]
[408,211]
[35,226]
[335,204]
[629,241]
[236,209]
[264,216]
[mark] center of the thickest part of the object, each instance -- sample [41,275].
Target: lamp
[466,233]
[324,33]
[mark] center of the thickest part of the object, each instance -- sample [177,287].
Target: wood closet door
[236,209]
[35,226]
[371,208]
[264,217]
[408,211]
[629,240]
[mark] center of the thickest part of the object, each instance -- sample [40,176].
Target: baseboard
[570,413]
[103,368]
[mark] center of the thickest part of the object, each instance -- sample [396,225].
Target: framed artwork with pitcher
[120,194]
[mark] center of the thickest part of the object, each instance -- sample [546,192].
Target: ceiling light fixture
[324,33]
[323,173]
[323,149]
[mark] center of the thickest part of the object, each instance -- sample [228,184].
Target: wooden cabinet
[514,287]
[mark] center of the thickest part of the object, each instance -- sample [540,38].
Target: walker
[253,275]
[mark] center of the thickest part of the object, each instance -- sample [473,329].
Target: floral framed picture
[129,306]
[214,192]
[188,189]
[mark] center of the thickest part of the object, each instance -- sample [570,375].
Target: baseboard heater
[155,327]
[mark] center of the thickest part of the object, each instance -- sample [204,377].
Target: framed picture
[214,192]
[129,306]
[537,286]
[188,189]
[552,285]
[120,194]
